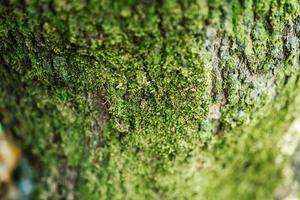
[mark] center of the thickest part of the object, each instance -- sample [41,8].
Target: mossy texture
[151,99]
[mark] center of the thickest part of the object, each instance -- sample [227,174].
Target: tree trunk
[153,99]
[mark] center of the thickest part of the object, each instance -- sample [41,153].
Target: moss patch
[151,99]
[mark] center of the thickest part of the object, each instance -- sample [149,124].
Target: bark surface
[153,99]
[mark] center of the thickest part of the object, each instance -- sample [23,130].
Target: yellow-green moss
[187,88]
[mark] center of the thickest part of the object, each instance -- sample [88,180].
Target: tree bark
[153,99]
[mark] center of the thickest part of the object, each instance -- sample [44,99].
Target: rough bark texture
[151,99]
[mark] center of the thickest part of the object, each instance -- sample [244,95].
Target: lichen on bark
[151,99]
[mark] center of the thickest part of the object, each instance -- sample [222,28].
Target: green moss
[159,69]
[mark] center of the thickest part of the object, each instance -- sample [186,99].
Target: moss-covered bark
[151,99]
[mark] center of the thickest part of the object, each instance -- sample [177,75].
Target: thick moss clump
[151,99]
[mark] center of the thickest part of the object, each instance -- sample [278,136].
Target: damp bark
[151,99]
